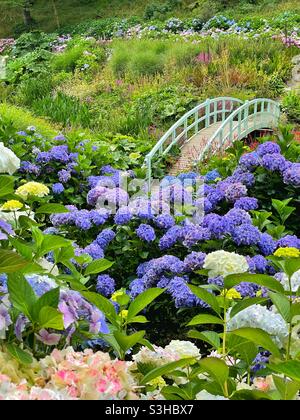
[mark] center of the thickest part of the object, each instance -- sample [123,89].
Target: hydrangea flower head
[223,263]
[34,189]
[12,205]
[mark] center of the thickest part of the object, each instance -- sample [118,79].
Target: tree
[26,6]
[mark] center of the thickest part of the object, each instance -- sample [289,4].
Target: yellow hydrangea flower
[35,189]
[117,294]
[158,382]
[123,314]
[231,294]
[12,205]
[287,252]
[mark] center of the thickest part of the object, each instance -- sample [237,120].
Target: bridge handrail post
[207,113]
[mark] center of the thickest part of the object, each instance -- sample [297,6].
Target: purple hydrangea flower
[137,287]
[182,294]
[257,264]
[245,177]
[217,225]
[247,289]
[194,261]
[236,217]
[291,175]
[171,237]
[64,176]
[194,234]
[94,250]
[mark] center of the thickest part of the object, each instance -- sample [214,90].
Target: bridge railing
[253,115]
[189,125]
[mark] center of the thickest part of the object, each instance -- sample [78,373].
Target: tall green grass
[148,57]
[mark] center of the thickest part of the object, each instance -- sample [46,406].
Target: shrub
[291,106]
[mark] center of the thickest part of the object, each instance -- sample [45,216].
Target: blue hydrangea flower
[164,221]
[267,245]
[246,203]
[105,237]
[273,162]
[246,234]
[123,216]
[146,233]
[58,188]
[268,148]
[212,175]
[105,285]
[289,241]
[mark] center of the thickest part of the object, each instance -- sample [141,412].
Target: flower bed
[212,256]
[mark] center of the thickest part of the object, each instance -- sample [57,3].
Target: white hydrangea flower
[223,263]
[9,162]
[158,357]
[11,217]
[183,349]
[257,316]
[48,266]
[284,280]
[206,396]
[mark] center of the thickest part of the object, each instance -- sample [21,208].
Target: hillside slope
[51,14]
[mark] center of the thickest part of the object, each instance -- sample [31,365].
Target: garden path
[294,83]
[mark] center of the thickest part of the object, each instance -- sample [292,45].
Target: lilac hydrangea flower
[64,176]
[235,191]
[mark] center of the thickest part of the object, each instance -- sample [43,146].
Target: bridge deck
[192,148]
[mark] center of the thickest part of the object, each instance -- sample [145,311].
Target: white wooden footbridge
[213,126]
